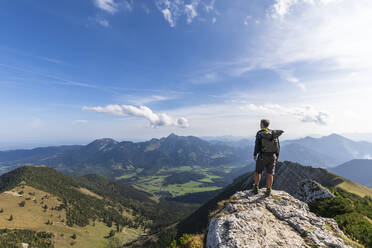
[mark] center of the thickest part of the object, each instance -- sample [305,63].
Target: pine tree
[11,217]
[112,233]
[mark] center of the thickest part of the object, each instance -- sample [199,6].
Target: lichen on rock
[277,221]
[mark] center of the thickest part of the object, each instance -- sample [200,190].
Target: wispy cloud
[114,6]
[305,114]
[168,16]
[319,30]
[144,100]
[52,60]
[156,120]
[283,7]
[109,6]
[103,22]
[55,79]
[190,10]
[173,10]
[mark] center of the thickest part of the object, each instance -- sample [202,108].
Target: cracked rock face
[311,191]
[249,220]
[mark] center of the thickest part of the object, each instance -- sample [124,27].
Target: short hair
[265,122]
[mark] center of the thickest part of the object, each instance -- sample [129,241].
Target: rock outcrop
[249,220]
[310,190]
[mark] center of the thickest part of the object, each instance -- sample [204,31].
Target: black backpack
[270,140]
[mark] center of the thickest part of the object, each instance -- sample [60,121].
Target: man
[267,148]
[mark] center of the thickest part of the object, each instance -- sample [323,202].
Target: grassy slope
[32,216]
[355,188]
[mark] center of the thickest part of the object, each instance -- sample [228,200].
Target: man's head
[264,123]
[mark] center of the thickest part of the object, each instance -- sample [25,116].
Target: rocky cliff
[249,220]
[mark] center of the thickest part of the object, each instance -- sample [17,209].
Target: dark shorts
[266,160]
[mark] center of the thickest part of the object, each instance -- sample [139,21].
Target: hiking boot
[255,188]
[268,192]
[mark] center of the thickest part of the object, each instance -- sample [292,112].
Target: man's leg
[269,180]
[257,178]
[270,170]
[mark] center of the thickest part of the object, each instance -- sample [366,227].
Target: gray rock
[310,190]
[249,220]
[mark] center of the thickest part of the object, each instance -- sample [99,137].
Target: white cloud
[304,114]
[143,100]
[246,20]
[52,60]
[209,7]
[107,5]
[297,83]
[336,31]
[288,76]
[173,10]
[156,120]
[103,22]
[367,156]
[214,19]
[168,16]
[283,7]
[113,6]
[190,10]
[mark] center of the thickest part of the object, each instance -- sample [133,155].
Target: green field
[156,185]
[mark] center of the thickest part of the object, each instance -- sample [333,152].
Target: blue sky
[72,71]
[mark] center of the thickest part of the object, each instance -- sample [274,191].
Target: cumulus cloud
[156,120]
[305,114]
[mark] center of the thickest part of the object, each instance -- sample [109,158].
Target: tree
[73,236]
[112,233]
[11,217]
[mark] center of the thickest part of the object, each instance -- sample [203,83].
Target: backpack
[270,140]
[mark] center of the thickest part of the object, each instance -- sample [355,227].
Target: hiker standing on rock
[267,148]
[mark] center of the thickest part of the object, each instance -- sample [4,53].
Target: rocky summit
[249,220]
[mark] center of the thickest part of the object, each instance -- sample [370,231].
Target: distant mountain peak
[104,140]
[172,135]
[102,144]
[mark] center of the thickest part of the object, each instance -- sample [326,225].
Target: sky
[73,71]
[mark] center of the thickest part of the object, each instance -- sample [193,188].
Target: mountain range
[357,170]
[327,151]
[111,158]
